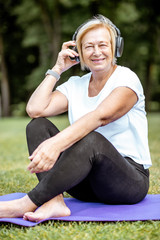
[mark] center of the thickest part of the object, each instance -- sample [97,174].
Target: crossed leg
[112,179]
[24,207]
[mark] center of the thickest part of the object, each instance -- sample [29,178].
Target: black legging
[90,170]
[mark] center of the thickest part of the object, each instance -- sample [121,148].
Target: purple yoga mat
[148,209]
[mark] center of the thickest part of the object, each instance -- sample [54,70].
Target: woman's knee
[90,144]
[34,124]
[41,125]
[95,141]
[93,138]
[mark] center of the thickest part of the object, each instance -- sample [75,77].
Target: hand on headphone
[66,57]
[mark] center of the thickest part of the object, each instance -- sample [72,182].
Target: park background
[32,32]
[31,35]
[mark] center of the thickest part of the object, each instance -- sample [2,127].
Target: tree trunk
[52,26]
[5,93]
[56,37]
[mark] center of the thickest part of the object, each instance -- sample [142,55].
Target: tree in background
[34,30]
[148,39]
[140,22]
[4,81]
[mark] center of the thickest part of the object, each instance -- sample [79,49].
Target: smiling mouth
[97,60]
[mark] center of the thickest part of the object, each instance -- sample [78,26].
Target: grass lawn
[15,178]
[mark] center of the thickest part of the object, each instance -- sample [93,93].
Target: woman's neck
[98,80]
[99,76]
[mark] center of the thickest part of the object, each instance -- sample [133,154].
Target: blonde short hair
[93,23]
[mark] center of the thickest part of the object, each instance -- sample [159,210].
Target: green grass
[15,178]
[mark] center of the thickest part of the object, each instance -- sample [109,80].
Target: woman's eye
[103,45]
[89,46]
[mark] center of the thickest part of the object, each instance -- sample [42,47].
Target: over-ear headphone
[119,40]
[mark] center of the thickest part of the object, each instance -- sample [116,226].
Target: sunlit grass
[15,178]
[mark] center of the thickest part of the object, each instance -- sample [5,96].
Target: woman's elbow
[32,113]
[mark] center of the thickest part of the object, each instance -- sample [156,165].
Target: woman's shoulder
[74,83]
[80,79]
[125,74]
[126,70]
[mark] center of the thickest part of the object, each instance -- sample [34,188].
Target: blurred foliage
[34,30]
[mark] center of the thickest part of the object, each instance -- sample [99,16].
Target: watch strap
[53,73]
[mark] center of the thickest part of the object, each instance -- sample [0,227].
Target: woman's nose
[97,51]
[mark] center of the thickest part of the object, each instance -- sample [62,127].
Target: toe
[29,216]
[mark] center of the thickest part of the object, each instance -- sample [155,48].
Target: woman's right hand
[63,61]
[45,156]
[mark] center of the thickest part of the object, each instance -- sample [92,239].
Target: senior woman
[103,155]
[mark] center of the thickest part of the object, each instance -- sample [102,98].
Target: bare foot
[16,208]
[56,207]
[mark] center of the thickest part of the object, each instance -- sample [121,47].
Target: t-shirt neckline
[109,79]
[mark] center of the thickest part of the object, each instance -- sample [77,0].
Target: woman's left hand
[44,157]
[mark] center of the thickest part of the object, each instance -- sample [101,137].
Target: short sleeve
[128,78]
[66,87]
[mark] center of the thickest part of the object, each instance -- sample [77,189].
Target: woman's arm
[118,103]
[44,102]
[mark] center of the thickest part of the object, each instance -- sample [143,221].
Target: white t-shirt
[129,134]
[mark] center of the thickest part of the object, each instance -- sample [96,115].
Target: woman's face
[96,49]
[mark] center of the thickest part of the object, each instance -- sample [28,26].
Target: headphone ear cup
[77,59]
[119,46]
